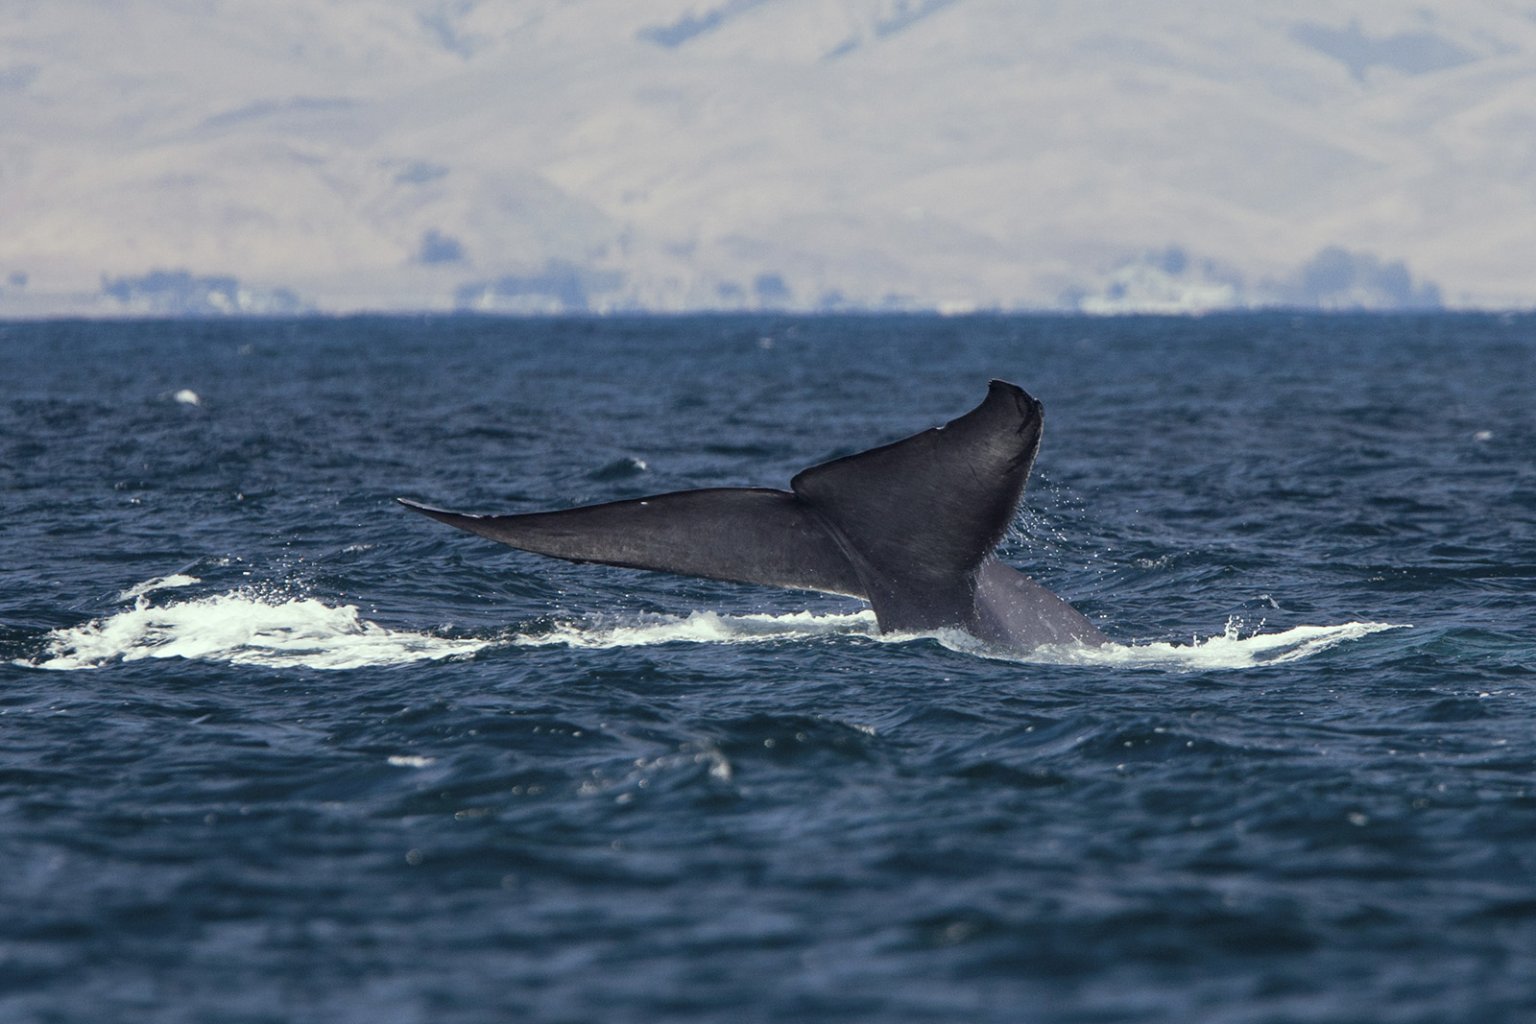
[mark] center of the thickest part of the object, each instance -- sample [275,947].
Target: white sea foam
[243,628]
[138,590]
[1229,650]
[701,628]
[247,627]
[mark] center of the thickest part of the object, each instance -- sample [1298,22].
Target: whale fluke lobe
[742,535]
[919,516]
[909,527]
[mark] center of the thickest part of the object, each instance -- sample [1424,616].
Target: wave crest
[247,627]
[243,628]
[701,628]
[1228,650]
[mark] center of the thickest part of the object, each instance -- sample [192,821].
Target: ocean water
[273,749]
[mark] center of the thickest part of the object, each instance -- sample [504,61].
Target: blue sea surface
[273,749]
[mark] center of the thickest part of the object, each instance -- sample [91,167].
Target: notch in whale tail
[907,526]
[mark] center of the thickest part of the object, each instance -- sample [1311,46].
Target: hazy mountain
[604,154]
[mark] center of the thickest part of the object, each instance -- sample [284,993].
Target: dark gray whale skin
[910,527]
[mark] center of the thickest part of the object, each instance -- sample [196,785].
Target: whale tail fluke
[909,527]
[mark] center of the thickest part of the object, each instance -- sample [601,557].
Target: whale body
[910,527]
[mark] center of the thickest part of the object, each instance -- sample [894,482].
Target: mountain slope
[803,153]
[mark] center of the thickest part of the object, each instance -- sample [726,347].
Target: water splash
[242,628]
[1229,650]
[701,628]
[178,579]
[277,630]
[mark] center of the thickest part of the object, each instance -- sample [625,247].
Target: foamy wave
[1230,650]
[251,628]
[244,629]
[702,628]
[177,579]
